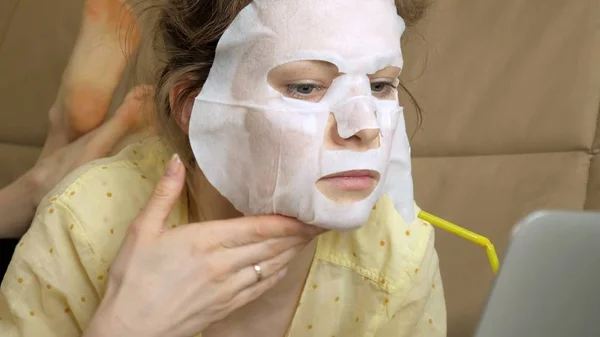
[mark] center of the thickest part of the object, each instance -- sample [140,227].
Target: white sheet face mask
[267,153]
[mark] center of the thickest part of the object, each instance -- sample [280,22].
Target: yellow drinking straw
[465,234]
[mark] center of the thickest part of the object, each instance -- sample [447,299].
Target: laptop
[549,281]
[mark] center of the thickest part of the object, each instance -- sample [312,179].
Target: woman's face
[299,111]
[309,81]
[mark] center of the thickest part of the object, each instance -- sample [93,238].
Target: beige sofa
[511,97]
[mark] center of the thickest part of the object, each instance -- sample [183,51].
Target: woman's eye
[383,89]
[303,90]
[379,87]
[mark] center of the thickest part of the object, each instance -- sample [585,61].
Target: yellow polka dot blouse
[382,280]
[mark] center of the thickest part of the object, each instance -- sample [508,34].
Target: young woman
[379,280]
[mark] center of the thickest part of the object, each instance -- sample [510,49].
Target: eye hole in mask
[309,80]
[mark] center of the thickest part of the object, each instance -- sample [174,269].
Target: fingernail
[174,165]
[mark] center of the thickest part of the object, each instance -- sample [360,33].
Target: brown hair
[186,37]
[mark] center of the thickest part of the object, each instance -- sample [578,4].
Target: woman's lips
[355,180]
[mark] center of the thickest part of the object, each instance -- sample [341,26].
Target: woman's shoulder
[146,156]
[133,170]
[100,199]
[387,250]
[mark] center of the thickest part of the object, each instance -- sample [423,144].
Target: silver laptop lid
[549,281]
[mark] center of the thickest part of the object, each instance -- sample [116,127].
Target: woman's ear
[181,107]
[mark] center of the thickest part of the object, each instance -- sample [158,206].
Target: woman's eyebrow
[387,70]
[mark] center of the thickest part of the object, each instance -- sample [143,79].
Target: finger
[247,255]
[248,230]
[248,276]
[253,292]
[164,197]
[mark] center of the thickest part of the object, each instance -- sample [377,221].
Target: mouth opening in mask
[349,186]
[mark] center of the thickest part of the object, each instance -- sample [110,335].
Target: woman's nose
[362,140]
[367,136]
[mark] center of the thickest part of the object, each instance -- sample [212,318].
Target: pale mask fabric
[265,152]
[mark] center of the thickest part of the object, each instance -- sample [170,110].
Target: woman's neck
[205,203]
[279,302]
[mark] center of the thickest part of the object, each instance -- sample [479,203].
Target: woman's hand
[176,282]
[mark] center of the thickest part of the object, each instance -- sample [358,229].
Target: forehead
[358,36]
[350,29]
